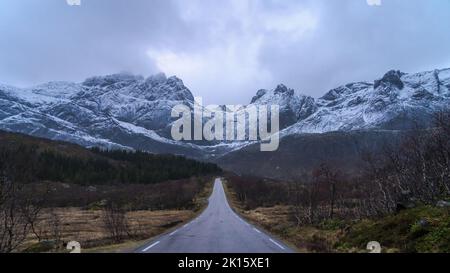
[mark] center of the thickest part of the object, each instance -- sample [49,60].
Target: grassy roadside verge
[422,229]
[201,202]
[87,226]
[249,216]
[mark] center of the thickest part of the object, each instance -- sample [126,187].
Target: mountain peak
[174,79]
[282,89]
[156,79]
[280,95]
[391,78]
[103,81]
[126,110]
[259,94]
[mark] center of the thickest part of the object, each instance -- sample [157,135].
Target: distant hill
[300,154]
[32,159]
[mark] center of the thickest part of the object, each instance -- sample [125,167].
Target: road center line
[277,244]
[152,245]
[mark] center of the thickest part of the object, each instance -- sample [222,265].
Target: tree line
[38,175]
[101,166]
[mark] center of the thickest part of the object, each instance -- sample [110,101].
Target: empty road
[217,230]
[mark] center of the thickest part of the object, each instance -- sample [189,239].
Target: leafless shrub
[54,223]
[14,222]
[418,170]
[18,211]
[115,222]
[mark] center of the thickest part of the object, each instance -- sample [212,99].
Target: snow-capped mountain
[293,106]
[356,117]
[133,112]
[116,111]
[396,101]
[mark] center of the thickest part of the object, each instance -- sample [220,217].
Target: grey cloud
[223,50]
[356,42]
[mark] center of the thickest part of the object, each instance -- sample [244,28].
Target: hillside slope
[34,159]
[299,154]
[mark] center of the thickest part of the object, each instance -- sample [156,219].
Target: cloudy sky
[224,50]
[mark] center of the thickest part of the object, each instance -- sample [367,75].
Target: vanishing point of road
[217,230]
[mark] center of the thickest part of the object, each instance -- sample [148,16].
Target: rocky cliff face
[293,106]
[118,110]
[396,101]
[133,112]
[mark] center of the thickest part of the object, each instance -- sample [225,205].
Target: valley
[97,156]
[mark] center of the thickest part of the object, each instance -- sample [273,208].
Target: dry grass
[269,217]
[278,221]
[86,226]
[305,238]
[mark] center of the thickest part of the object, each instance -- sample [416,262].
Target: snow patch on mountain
[394,101]
[129,111]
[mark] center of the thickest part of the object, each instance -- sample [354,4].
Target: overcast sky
[223,50]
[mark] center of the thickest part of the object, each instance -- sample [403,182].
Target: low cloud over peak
[223,50]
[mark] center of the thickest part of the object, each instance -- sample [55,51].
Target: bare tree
[54,223]
[417,169]
[32,205]
[14,226]
[297,190]
[329,177]
[115,222]
[312,194]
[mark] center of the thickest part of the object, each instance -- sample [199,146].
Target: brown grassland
[421,229]
[87,226]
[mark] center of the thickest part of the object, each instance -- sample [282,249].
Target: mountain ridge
[126,111]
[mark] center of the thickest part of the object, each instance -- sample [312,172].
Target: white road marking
[280,246]
[256,230]
[173,233]
[152,245]
[186,225]
[242,221]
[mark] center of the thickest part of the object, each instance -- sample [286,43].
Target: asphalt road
[217,230]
